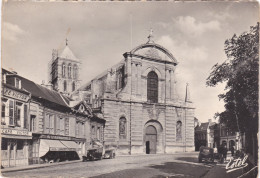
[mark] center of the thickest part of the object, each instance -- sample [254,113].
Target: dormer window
[17,83]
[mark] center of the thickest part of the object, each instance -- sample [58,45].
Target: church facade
[138,99]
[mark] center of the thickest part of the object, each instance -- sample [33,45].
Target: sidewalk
[36,166]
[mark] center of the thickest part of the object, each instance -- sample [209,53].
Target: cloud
[11,32]
[190,26]
[184,51]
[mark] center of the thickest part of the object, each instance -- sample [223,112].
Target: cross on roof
[150,36]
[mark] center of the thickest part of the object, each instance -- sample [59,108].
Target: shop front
[15,136]
[14,147]
[53,148]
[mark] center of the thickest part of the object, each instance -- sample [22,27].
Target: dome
[155,51]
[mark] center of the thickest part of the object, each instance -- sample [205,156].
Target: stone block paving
[178,165]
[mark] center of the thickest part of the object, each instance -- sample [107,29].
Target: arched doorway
[231,144]
[150,139]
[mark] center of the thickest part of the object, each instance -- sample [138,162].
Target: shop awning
[56,145]
[17,137]
[70,144]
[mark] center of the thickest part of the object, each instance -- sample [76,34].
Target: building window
[152,87]
[77,129]
[17,114]
[33,123]
[179,131]
[62,126]
[83,130]
[11,112]
[119,81]
[69,70]
[98,133]
[3,114]
[4,144]
[25,123]
[52,120]
[67,126]
[73,86]
[63,69]
[75,71]
[57,126]
[17,83]
[122,128]
[93,131]
[65,86]
[49,123]
[20,145]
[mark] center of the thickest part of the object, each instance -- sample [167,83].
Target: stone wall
[140,115]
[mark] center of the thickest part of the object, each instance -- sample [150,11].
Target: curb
[36,166]
[158,154]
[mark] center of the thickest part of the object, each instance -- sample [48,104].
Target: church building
[64,70]
[138,99]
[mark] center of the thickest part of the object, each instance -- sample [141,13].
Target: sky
[100,32]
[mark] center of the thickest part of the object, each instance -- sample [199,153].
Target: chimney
[210,121]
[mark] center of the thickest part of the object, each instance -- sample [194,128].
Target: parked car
[93,154]
[96,151]
[109,154]
[206,154]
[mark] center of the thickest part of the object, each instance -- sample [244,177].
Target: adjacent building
[137,97]
[204,135]
[41,125]
[15,133]
[212,134]
[230,138]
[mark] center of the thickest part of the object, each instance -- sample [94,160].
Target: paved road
[174,165]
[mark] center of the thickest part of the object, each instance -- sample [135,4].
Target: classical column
[168,85]
[139,73]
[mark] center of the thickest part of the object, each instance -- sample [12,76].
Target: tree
[240,73]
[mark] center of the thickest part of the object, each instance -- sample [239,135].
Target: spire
[150,36]
[187,95]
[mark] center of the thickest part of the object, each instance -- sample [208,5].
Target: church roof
[153,50]
[68,54]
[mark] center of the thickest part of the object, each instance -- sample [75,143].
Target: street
[170,165]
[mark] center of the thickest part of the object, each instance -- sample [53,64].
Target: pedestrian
[232,150]
[220,152]
[224,152]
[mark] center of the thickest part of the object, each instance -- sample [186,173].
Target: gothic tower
[64,70]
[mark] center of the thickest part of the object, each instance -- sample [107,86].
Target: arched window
[122,128]
[69,70]
[152,87]
[65,86]
[75,72]
[63,69]
[73,86]
[178,131]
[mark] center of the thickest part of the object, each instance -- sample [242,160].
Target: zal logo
[235,164]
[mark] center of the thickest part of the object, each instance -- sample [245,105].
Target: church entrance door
[150,139]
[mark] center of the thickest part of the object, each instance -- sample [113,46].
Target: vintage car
[206,154]
[96,152]
[109,154]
